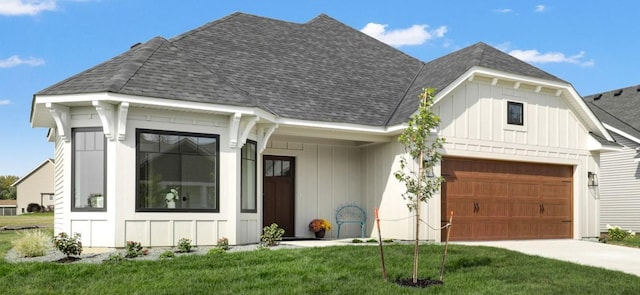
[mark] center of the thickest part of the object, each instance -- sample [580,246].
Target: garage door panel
[460,188]
[556,210]
[525,208]
[461,207]
[490,189]
[492,207]
[524,189]
[463,230]
[524,229]
[555,230]
[555,190]
[495,200]
[490,230]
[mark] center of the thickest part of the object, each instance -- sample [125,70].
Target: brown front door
[279,192]
[499,200]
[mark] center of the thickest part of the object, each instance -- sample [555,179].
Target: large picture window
[248,177]
[88,146]
[177,171]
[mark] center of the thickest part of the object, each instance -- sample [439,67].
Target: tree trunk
[416,247]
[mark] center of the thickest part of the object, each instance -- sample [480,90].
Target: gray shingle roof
[619,111]
[321,70]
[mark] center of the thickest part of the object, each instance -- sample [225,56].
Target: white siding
[328,175]
[476,111]
[61,207]
[474,125]
[620,187]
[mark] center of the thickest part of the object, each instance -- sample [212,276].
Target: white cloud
[504,10]
[5,102]
[414,35]
[540,8]
[26,7]
[15,61]
[535,56]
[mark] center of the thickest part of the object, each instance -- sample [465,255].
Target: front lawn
[29,219]
[629,242]
[330,270]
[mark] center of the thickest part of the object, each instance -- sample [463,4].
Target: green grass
[330,270]
[29,219]
[630,242]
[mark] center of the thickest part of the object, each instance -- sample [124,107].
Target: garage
[502,200]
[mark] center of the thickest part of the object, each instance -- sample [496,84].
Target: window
[277,168]
[88,146]
[248,177]
[515,113]
[177,171]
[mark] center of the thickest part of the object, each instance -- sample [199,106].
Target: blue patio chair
[351,214]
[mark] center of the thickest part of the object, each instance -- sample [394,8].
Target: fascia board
[622,133]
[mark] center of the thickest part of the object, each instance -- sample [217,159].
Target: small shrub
[167,254]
[68,245]
[32,243]
[271,235]
[223,243]
[356,241]
[184,245]
[133,249]
[616,233]
[372,241]
[34,207]
[388,241]
[114,258]
[215,251]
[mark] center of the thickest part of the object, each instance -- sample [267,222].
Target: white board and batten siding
[121,222]
[473,122]
[619,185]
[328,175]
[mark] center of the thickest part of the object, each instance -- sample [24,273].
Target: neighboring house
[7,207]
[619,179]
[36,187]
[247,121]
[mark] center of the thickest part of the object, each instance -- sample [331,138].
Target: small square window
[515,113]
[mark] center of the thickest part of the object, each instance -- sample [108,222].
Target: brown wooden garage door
[499,200]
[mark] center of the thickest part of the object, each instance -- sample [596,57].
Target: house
[619,178]
[7,207]
[36,187]
[247,120]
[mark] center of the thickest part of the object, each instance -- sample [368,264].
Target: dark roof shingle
[321,70]
[619,111]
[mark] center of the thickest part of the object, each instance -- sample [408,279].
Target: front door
[279,192]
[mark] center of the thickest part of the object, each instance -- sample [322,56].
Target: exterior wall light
[592,178]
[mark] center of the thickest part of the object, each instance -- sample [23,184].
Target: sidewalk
[625,259]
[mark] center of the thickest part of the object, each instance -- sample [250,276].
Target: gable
[477,110]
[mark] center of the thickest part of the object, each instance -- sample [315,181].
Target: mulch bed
[68,259]
[421,283]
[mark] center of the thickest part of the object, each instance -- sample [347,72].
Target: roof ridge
[404,96]
[140,56]
[206,26]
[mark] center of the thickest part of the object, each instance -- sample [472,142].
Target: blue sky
[593,45]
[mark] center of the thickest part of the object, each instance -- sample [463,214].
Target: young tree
[423,145]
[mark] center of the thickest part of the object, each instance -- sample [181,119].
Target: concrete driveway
[597,254]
